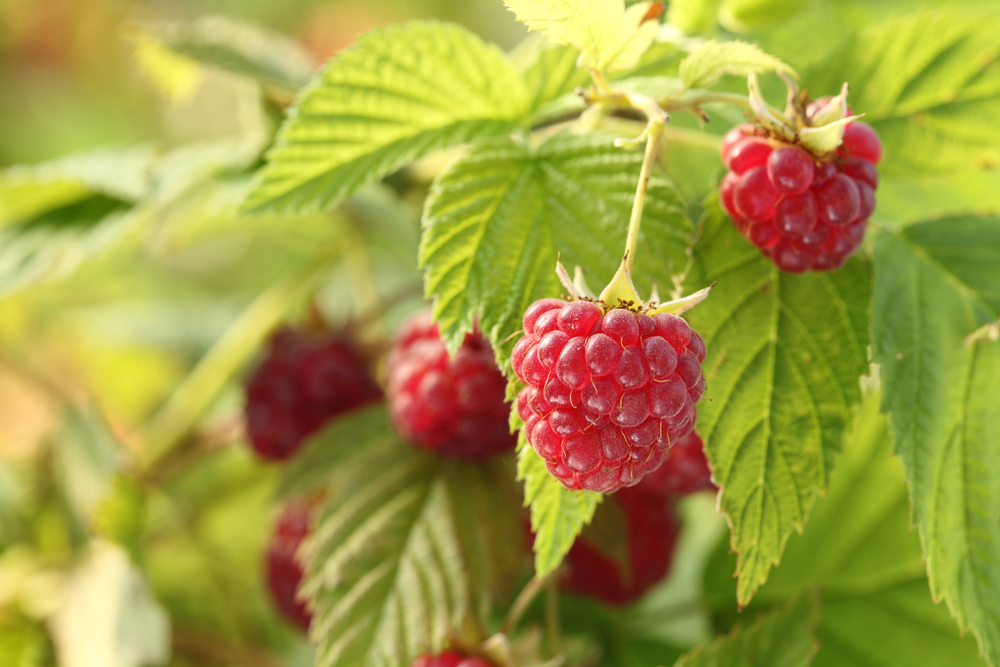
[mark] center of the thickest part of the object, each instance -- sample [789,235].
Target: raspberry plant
[790,457]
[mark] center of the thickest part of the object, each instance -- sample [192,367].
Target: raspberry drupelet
[453,406]
[607,392]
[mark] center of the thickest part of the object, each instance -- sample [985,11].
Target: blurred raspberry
[284,573]
[304,381]
[651,528]
[685,471]
[453,406]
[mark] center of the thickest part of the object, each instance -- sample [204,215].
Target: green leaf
[929,83]
[336,443]
[496,220]
[694,16]
[859,548]
[22,644]
[558,515]
[609,36]
[712,59]
[550,72]
[56,242]
[742,16]
[935,284]
[785,353]
[27,192]
[398,94]
[784,638]
[239,47]
[406,548]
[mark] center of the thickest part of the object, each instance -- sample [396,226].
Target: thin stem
[523,601]
[552,623]
[654,134]
[675,103]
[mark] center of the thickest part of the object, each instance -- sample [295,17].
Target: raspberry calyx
[609,388]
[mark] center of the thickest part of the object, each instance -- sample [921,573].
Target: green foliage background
[156,225]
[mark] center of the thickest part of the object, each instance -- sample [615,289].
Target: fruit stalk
[654,135]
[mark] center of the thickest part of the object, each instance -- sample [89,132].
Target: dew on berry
[661,358]
[620,325]
[571,368]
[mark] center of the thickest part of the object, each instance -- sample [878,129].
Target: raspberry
[450,659]
[451,406]
[651,534]
[284,573]
[802,211]
[685,471]
[304,381]
[607,393]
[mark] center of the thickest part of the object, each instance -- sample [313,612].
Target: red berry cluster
[607,394]
[453,406]
[802,212]
[284,573]
[685,471]
[304,381]
[450,659]
[651,527]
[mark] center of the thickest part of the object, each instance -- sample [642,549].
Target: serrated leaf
[860,549]
[784,356]
[406,548]
[783,638]
[400,93]
[239,47]
[608,36]
[713,59]
[496,220]
[936,283]
[339,441]
[558,515]
[929,83]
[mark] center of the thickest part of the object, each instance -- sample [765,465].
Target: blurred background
[144,350]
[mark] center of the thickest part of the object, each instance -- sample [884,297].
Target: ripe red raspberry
[450,659]
[651,527]
[607,393]
[304,381]
[685,471]
[804,212]
[452,406]
[284,573]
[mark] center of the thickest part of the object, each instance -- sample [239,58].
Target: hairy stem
[654,134]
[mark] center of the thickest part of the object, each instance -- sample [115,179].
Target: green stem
[552,623]
[680,103]
[523,601]
[654,134]
[168,428]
